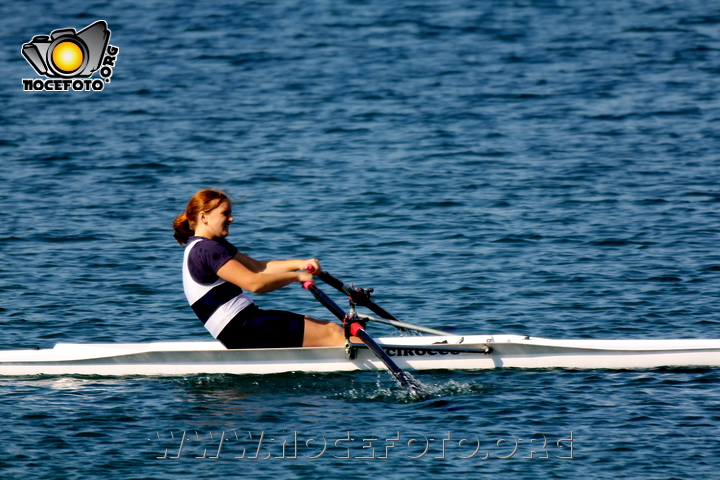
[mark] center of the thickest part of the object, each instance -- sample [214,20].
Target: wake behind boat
[438,350]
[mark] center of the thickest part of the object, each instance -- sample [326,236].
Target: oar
[358,296]
[402,376]
[356,329]
[362,298]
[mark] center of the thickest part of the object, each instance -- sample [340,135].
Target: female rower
[215,275]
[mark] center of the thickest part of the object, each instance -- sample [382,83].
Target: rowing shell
[471,352]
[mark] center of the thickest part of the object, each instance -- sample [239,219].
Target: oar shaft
[325,300]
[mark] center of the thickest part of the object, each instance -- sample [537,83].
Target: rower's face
[218,220]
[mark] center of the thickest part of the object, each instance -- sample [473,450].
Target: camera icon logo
[66,53]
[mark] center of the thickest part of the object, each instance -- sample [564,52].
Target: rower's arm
[275,266]
[258,282]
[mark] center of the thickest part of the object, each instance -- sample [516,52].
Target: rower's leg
[319,333]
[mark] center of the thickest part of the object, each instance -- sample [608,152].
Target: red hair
[202,201]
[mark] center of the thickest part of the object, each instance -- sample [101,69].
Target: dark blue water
[536,167]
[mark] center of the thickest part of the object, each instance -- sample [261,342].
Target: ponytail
[182,228]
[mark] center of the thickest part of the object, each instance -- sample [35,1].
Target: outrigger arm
[361,297]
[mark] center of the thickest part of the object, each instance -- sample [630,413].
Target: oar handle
[306,284]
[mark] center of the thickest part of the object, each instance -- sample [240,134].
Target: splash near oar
[405,379]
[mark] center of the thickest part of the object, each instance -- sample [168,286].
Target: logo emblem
[68,59]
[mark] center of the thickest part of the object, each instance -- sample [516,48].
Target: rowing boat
[414,353]
[437,351]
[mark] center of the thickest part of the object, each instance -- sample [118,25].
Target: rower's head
[200,205]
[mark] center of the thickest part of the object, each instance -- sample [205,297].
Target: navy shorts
[257,328]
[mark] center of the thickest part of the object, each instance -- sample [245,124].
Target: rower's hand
[303,277]
[312,266]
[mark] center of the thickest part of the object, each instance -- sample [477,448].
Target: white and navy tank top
[214,301]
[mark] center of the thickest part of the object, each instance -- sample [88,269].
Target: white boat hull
[472,352]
